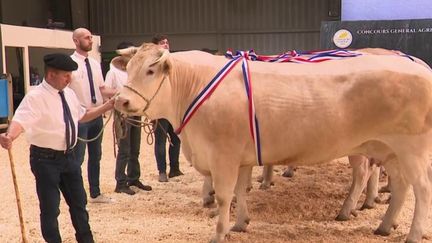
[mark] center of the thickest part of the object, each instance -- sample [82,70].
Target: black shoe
[124,189]
[174,173]
[140,185]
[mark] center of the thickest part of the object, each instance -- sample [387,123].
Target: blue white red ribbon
[291,56]
[297,57]
[210,87]
[206,92]
[253,121]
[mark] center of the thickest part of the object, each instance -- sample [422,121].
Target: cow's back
[315,109]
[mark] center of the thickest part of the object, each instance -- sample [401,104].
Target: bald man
[87,82]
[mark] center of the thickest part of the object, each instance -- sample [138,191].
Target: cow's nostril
[122,101]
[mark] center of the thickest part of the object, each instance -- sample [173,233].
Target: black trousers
[57,171]
[164,127]
[127,163]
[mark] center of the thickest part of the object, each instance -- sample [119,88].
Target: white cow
[380,106]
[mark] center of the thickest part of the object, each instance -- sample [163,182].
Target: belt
[47,153]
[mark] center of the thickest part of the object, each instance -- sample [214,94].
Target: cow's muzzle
[123,104]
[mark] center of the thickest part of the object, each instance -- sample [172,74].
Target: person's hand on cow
[110,102]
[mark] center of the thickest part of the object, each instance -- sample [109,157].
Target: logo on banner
[342,38]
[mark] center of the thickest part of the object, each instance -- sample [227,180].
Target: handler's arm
[14,130]
[94,112]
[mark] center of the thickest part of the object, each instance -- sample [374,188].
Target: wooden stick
[18,200]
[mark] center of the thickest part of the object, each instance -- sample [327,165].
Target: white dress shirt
[80,82]
[115,78]
[40,113]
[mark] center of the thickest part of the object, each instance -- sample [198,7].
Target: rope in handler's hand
[120,128]
[87,140]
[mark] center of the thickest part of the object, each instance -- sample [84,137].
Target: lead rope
[120,128]
[100,132]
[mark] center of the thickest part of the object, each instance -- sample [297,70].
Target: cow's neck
[186,83]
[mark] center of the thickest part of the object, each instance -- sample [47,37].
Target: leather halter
[148,101]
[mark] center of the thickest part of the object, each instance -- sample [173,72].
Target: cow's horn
[161,58]
[129,52]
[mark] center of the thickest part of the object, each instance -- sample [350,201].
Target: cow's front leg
[240,191]
[224,180]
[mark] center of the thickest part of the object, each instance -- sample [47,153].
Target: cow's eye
[149,72]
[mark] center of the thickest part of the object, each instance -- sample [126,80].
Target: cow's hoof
[239,228]
[342,217]
[260,179]
[248,189]
[288,173]
[412,241]
[367,206]
[209,202]
[382,200]
[213,213]
[264,186]
[215,241]
[381,232]
[384,189]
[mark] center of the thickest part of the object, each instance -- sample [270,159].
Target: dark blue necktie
[90,78]
[69,124]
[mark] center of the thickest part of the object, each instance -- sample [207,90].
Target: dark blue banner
[413,37]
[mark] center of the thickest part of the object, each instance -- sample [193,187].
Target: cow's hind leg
[208,192]
[398,194]
[372,189]
[360,168]
[422,192]
[224,181]
[240,191]
[267,177]
[289,171]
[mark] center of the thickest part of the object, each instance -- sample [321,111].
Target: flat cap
[60,61]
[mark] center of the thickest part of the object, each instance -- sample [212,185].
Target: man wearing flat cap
[49,116]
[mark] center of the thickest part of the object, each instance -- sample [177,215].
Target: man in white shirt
[87,82]
[129,145]
[49,115]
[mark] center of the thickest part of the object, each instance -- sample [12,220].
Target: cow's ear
[120,62]
[166,68]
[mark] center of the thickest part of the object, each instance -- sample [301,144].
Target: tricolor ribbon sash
[210,87]
[292,56]
[206,92]
[297,57]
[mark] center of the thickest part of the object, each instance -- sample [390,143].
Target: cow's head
[148,69]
